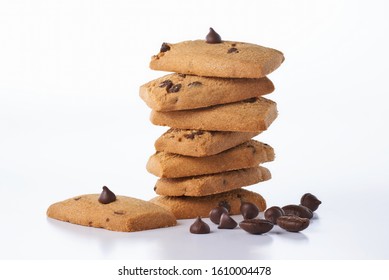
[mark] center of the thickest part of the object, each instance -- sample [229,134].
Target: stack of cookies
[213,105]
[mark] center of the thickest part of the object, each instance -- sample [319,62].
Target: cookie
[228,59]
[182,92]
[246,155]
[200,143]
[187,207]
[246,116]
[211,184]
[124,214]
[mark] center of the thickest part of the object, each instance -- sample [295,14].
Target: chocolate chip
[273,213]
[107,220]
[256,226]
[165,47]
[195,84]
[226,222]
[193,134]
[77,198]
[293,223]
[233,44]
[249,210]
[216,213]
[199,227]
[225,204]
[310,201]
[107,196]
[167,84]
[189,136]
[232,50]
[182,75]
[120,212]
[175,88]
[212,37]
[298,210]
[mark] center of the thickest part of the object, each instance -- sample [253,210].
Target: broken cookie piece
[125,214]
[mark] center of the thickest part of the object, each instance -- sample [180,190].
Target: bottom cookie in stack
[187,207]
[190,186]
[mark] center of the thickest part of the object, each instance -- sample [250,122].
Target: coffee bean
[175,88]
[273,213]
[232,50]
[212,37]
[226,222]
[310,201]
[216,214]
[165,47]
[249,210]
[256,226]
[298,210]
[293,223]
[107,196]
[199,227]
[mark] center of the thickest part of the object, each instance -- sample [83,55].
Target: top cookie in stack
[214,106]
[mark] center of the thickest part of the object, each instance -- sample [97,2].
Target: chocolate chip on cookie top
[107,196]
[165,47]
[212,37]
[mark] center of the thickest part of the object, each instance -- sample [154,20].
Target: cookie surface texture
[182,92]
[212,184]
[126,214]
[199,143]
[227,59]
[246,155]
[187,207]
[251,115]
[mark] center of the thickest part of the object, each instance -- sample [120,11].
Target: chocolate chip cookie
[182,92]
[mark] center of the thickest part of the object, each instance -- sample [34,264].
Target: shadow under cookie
[187,207]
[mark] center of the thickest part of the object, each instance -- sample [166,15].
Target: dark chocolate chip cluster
[193,134]
[292,217]
[174,88]
[170,87]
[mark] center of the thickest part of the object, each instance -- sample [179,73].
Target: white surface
[71,121]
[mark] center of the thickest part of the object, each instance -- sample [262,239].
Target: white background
[71,121]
